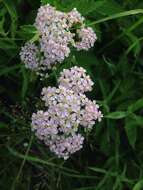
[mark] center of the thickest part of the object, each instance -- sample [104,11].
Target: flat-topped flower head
[67,114]
[57,33]
[47,128]
[76,79]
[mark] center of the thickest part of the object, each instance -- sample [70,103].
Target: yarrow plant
[56,35]
[69,113]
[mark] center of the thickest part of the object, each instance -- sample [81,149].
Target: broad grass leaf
[8,46]
[11,8]
[136,106]
[135,46]
[133,43]
[109,7]
[111,95]
[138,185]
[131,131]
[10,5]
[2,31]
[49,163]
[85,6]
[138,119]
[2,22]
[119,15]
[8,70]
[7,43]
[117,115]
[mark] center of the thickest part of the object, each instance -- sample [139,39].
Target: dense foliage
[112,154]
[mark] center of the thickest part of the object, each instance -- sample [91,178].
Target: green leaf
[131,28]
[111,173]
[11,8]
[131,131]
[138,185]
[2,32]
[136,106]
[27,32]
[117,115]
[85,6]
[35,159]
[28,29]
[110,96]
[2,22]
[7,43]
[119,15]
[131,40]
[8,70]
[138,119]
[109,7]
[9,46]
[10,5]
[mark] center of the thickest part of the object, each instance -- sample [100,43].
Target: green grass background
[112,157]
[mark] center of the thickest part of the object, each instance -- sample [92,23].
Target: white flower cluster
[76,79]
[57,33]
[29,55]
[68,111]
[87,37]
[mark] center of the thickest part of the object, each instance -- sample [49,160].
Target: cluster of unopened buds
[68,113]
[58,32]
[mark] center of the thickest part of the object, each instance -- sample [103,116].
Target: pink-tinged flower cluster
[91,113]
[54,51]
[76,79]
[68,111]
[50,18]
[74,17]
[87,38]
[57,33]
[29,55]
[65,146]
